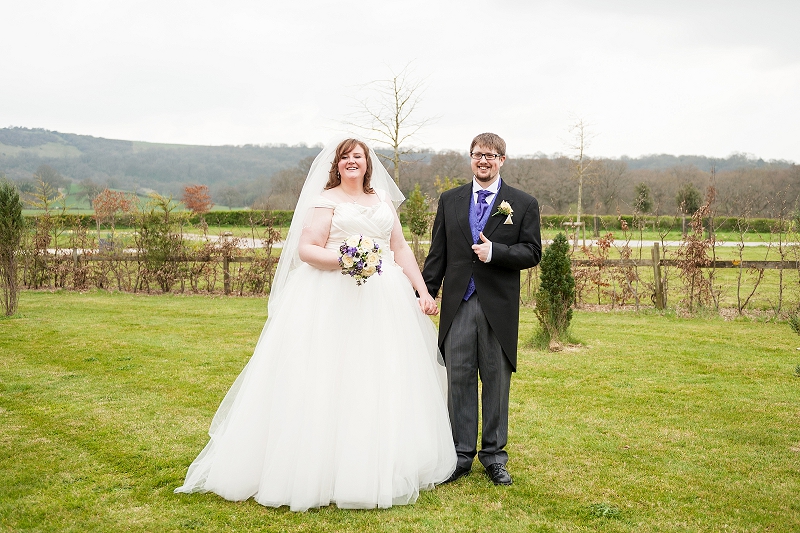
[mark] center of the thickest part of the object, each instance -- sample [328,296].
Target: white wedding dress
[343,400]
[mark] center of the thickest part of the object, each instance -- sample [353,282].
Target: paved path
[249,242]
[635,243]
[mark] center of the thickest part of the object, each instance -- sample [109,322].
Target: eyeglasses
[477,156]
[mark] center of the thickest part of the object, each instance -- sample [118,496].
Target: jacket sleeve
[436,262]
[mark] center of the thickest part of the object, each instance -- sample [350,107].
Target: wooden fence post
[659,288]
[226,274]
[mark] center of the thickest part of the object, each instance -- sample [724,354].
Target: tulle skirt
[343,401]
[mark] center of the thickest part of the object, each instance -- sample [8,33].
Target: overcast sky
[669,76]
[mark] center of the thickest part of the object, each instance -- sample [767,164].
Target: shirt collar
[493,188]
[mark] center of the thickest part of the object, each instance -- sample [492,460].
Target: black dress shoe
[498,474]
[460,472]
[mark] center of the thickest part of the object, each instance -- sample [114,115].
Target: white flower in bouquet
[360,258]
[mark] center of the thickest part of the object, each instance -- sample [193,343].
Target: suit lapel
[495,221]
[463,206]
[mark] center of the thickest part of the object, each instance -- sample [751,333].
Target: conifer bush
[556,294]
[418,219]
[11,228]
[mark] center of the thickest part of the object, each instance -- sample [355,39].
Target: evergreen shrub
[556,294]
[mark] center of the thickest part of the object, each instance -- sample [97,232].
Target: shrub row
[243,217]
[606,222]
[213,218]
[614,223]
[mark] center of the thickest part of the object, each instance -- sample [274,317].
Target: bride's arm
[312,241]
[404,257]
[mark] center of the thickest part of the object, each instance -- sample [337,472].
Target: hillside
[165,168]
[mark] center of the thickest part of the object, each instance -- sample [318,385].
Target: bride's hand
[428,304]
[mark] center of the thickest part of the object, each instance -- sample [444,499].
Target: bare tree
[230,196]
[388,114]
[448,164]
[452,164]
[545,178]
[285,187]
[581,163]
[608,183]
[49,175]
[89,190]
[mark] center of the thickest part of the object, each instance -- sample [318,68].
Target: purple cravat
[482,206]
[480,210]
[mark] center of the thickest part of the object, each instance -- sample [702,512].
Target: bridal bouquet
[360,258]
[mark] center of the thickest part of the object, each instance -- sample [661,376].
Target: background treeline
[271,177]
[743,186]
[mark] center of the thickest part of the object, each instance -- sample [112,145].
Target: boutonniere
[505,209]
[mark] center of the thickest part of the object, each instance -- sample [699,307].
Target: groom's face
[486,171]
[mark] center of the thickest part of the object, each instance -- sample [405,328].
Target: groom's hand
[483,249]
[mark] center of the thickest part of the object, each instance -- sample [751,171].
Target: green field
[654,423]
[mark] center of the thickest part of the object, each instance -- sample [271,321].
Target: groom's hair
[345,147]
[491,141]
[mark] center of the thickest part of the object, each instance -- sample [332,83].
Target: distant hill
[165,168]
[248,169]
[732,162]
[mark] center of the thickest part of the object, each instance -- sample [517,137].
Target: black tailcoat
[515,247]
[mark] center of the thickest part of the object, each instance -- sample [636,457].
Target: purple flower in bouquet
[360,258]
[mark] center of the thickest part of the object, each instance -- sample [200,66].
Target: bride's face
[353,164]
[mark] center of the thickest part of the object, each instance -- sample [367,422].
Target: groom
[484,233]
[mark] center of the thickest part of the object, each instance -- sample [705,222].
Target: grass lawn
[656,423]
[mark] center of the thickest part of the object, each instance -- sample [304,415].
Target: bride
[343,400]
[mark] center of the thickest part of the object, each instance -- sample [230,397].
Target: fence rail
[674,262]
[137,271]
[615,280]
[657,262]
[225,260]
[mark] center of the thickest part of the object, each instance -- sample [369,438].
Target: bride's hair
[345,147]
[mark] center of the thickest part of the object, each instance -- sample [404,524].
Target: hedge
[607,222]
[612,223]
[213,218]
